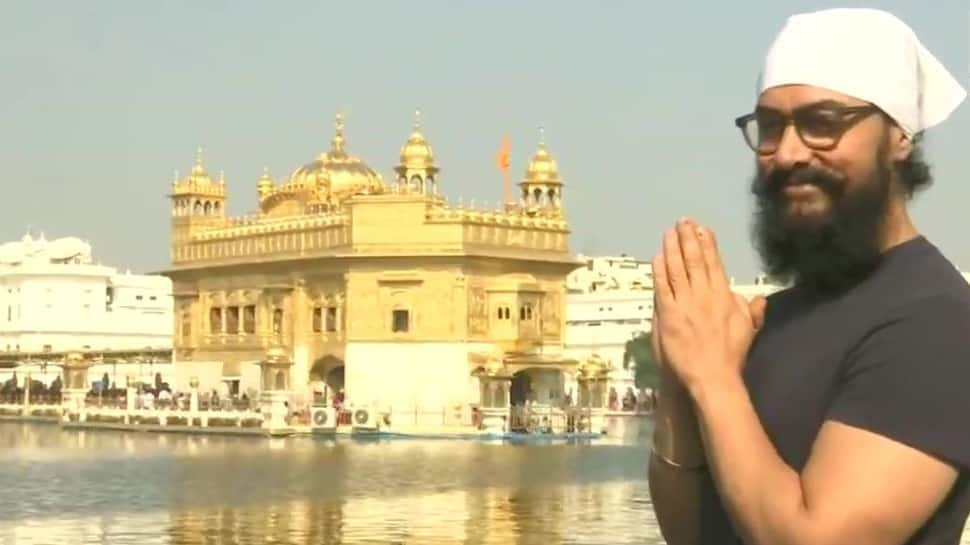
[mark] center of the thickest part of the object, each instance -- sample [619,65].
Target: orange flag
[503,154]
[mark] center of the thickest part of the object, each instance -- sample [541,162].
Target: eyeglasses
[820,127]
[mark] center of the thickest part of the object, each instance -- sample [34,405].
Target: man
[834,412]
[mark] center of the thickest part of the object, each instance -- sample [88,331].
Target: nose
[791,151]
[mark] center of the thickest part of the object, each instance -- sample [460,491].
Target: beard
[827,252]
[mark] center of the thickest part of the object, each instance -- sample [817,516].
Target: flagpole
[508,187]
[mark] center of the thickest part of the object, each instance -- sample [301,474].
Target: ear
[901,143]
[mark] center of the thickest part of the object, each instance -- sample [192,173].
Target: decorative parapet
[495,217]
[245,226]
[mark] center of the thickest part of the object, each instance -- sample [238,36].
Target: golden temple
[383,287]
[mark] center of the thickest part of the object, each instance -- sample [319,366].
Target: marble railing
[33,409]
[246,418]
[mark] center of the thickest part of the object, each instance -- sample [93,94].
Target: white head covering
[868,54]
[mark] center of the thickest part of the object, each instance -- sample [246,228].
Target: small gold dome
[416,152]
[74,358]
[593,366]
[277,354]
[337,172]
[199,174]
[542,168]
[265,183]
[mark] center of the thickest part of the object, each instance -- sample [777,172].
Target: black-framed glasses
[820,127]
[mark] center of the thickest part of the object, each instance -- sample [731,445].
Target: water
[117,488]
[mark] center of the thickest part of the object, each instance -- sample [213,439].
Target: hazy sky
[101,101]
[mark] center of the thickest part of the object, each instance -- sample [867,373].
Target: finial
[339,124]
[542,136]
[265,171]
[338,137]
[417,119]
[222,176]
[198,156]
[175,180]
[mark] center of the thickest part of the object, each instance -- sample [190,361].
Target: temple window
[503,313]
[215,320]
[232,320]
[249,319]
[525,312]
[317,319]
[400,321]
[277,321]
[331,319]
[186,325]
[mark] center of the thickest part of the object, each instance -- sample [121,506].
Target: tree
[639,352]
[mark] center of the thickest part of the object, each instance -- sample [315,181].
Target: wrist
[676,438]
[711,391]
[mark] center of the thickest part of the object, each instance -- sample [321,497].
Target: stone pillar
[75,370]
[301,328]
[193,400]
[495,383]
[592,379]
[274,381]
[27,393]
[130,393]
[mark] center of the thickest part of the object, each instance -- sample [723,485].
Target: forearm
[676,434]
[685,504]
[762,495]
[680,495]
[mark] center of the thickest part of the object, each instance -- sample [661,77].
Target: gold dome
[265,183]
[543,168]
[277,355]
[416,152]
[199,173]
[337,172]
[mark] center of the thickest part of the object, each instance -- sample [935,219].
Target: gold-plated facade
[335,256]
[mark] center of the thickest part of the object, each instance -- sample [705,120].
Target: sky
[102,101]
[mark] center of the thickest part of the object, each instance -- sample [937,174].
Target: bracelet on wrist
[678,466]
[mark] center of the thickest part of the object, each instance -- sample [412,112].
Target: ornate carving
[477,311]
[551,310]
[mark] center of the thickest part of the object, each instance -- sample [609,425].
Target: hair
[914,172]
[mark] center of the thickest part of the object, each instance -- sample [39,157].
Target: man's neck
[899,228]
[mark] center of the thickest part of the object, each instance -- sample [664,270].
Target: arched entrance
[520,388]
[335,379]
[327,374]
[538,386]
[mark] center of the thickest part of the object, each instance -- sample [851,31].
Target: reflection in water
[129,488]
[109,487]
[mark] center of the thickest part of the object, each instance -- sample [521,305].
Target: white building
[608,302]
[762,286]
[55,299]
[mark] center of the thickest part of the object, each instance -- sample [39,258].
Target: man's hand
[703,330]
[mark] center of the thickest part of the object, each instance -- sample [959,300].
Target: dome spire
[542,137]
[198,169]
[338,136]
[264,185]
[417,119]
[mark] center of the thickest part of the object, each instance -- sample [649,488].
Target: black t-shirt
[891,355]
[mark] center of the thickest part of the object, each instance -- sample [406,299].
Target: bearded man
[832,413]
